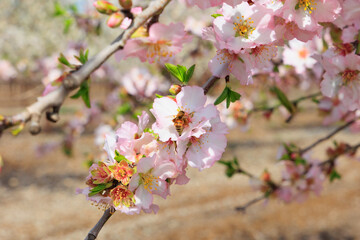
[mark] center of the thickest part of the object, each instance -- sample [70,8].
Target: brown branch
[74,80]
[98,226]
[347,150]
[295,102]
[339,129]
[209,83]
[250,203]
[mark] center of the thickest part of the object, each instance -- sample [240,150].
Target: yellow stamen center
[349,75]
[307,5]
[149,180]
[243,28]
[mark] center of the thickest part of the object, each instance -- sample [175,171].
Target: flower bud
[175,89]
[265,176]
[115,20]
[105,7]
[126,4]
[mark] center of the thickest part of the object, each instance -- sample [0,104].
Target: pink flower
[7,71]
[243,26]
[122,172]
[286,31]
[162,44]
[140,83]
[299,55]
[212,3]
[190,103]
[303,179]
[342,78]
[131,140]
[100,134]
[100,173]
[226,62]
[151,179]
[203,151]
[308,13]
[122,196]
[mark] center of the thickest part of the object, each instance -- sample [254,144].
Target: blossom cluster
[301,175]
[248,33]
[142,162]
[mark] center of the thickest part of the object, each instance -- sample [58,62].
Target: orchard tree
[270,45]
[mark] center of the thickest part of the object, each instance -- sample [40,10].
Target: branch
[250,203]
[74,79]
[209,84]
[348,149]
[294,102]
[98,226]
[327,137]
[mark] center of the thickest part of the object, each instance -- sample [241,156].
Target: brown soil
[38,198]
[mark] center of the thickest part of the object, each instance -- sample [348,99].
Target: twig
[209,83]
[327,137]
[74,80]
[349,149]
[248,204]
[98,226]
[295,102]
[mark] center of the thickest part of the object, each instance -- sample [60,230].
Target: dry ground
[38,201]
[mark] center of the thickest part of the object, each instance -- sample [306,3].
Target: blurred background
[40,174]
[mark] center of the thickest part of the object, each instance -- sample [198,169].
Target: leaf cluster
[180,72]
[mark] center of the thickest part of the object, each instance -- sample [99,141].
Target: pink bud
[115,20]
[105,7]
[175,89]
[126,4]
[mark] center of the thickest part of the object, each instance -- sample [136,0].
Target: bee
[180,121]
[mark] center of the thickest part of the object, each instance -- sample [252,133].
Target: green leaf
[226,163]
[73,8]
[180,72]
[99,188]
[283,99]
[230,172]
[173,70]
[189,73]
[67,24]
[119,158]
[300,161]
[17,130]
[83,92]
[59,10]
[234,96]
[124,109]
[228,101]
[62,59]
[334,175]
[222,96]
[236,162]
[216,15]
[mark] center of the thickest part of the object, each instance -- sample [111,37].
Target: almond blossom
[140,83]
[342,78]
[243,26]
[142,162]
[299,55]
[212,3]
[162,43]
[303,179]
[307,14]
[150,179]
[190,101]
